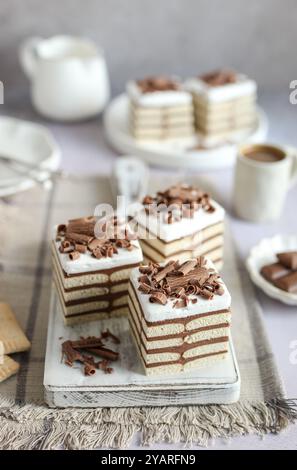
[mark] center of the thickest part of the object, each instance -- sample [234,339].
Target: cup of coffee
[263,175]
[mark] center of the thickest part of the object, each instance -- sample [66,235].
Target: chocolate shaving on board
[179,281]
[180,201]
[72,351]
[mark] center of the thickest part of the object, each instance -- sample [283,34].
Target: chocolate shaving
[158,298]
[89,369]
[108,334]
[74,255]
[80,248]
[186,267]
[104,352]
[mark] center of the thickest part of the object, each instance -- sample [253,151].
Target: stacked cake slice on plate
[179,315]
[224,103]
[160,108]
[91,272]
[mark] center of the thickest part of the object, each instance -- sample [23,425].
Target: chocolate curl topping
[182,201]
[152,84]
[219,77]
[79,236]
[179,281]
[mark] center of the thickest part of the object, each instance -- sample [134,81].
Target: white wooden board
[128,385]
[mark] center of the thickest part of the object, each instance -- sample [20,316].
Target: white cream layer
[243,86]
[87,262]
[157,312]
[186,226]
[157,98]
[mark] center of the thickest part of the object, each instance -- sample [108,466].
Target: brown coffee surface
[266,156]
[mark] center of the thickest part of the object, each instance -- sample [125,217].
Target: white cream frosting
[154,312]
[243,86]
[86,262]
[182,228]
[158,98]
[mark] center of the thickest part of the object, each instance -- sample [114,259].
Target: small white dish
[265,253]
[27,142]
[177,153]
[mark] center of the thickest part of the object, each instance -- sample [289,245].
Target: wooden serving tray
[128,385]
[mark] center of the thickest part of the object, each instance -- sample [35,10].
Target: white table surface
[85,150]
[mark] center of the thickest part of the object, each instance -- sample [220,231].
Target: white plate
[28,142]
[265,253]
[174,152]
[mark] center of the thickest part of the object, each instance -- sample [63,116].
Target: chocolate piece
[288,259]
[80,248]
[78,237]
[163,272]
[287,283]
[89,369]
[104,352]
[271,272]
[71,354]
[90,342]
[108,334]
[83,225]
[74,255]
[158,297]
[187,266]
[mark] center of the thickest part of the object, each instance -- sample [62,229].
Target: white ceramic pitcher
[69,78]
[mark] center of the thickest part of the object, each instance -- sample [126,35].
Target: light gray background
[184,37]
[171,36]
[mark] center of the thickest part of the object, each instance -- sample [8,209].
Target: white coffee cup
[263,175]
[69,78]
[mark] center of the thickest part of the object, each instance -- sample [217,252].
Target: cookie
[11,334]
[8,367]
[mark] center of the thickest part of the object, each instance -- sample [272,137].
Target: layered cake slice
[180,223]
[179,315]
[91,272]
[160,108]
[224,103]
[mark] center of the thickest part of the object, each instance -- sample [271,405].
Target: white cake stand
[176,153]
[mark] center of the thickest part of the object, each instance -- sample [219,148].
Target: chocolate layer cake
[91,273]
[160,109]
[179,315]
[224,103]
[180,223]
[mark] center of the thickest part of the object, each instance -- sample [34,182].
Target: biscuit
[8,368]
[11,334]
